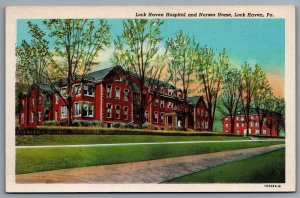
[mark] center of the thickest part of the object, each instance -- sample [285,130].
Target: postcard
[150,99]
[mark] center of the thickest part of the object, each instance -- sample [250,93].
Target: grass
[32,140]
[43,159]
[266,168]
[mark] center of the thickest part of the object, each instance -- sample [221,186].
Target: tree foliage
[137,51]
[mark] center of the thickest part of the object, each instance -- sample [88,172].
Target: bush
[62,123]
[146,125]
[116,125]
[98,123]
[177,128]
[130,125]
[76,123]
[50,123]
[122,125]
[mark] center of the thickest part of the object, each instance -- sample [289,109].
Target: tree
[231,96]
[183,53]
[137,51]
[261,95]
[77,45]
[210,73]
[276,114]
[252,81]
[32,61]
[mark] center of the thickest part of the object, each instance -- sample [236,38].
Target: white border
[31,12]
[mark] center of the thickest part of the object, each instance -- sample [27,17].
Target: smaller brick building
[266,123]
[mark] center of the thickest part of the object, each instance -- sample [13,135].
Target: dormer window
[118,79]
[170,92]
[179,94]
[63,92]
[77,90]
[89,90]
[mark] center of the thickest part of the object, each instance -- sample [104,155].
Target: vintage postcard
[150,99]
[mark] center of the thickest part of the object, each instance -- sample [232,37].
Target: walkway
[152,171]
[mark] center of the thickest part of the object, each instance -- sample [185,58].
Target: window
[179,94]
[32,101]
[238,131]
[202,125]
[226,118]
[237,118]
[251,117]
[108,91]
[39,100]
[156,102]
[63,111]
[161,117]
[88,110]
[117,93]
[162,102]
[202,112]
[55,115]
[198,124]
[243,124]
[170,92]
[264,131]
[242,118]
[147,116]
[125,113]
[206,125]
[237,124]
[77,90]
[226,125]
[22,118]
[56,99]
[155,117]
[256,123]
[109,107]
[126,95]
[226,131]
[251,123]
[32,117]
[256,131]
[118,79]
[170,104]
[198,111]
[77,111]
[39,116]
[63,91]
[88,90]
[118,112]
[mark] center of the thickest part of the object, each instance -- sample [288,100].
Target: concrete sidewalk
[152,171]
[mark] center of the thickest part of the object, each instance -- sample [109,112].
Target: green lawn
[31,140]
[266,168]
[42,159]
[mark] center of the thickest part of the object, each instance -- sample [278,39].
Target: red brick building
[269,123]
[107,96]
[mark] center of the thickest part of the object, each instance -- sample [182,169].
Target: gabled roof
[45,88]
[194,100]
[99,75]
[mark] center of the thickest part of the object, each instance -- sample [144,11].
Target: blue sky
[253,40]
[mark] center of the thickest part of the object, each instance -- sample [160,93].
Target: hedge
[65,130]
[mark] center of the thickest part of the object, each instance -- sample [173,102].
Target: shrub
[76,123]
[98,123]
[177,128]
[130,125]
[146,125]
[122,125]
[116,125]
[62,123]
[50,123]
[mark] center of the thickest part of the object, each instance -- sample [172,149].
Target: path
[143,143]
[152,171]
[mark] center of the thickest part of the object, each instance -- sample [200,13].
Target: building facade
[266,124]
[106,95]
